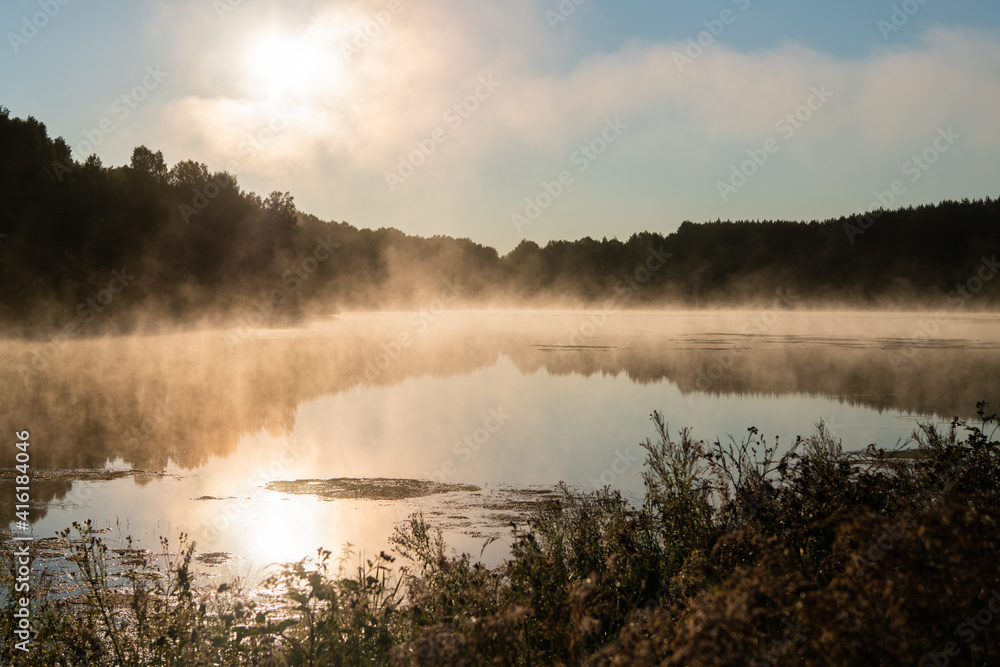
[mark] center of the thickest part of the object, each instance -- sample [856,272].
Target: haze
[296,97]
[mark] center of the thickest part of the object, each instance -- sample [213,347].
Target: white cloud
[354,119]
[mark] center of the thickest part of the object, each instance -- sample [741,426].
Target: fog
[150,402]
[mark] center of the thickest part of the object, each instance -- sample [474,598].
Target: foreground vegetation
[737,556]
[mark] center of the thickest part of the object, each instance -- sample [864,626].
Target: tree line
[114,247]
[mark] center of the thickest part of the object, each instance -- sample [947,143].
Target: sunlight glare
[282,67]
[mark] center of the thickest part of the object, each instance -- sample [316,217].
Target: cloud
[355,116]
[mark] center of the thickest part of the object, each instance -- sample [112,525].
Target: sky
[530,119]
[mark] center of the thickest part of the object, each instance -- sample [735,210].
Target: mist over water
[203,421]
[388,332]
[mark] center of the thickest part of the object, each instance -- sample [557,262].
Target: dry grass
[736,557]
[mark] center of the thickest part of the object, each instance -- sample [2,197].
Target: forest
[95,249]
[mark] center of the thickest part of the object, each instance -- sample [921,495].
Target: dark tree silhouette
[146,161]
[204,250]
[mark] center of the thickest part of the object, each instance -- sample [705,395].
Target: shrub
[736,556]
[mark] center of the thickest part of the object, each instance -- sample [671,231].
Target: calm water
[506,401]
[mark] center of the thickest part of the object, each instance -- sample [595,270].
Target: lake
[157,434]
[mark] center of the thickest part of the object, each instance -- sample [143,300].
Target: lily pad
[214,558]
[376,488]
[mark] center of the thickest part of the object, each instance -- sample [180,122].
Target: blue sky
[602,124]
[844,28]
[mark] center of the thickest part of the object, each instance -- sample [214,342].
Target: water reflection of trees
[148,401]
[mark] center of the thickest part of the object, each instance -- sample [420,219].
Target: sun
[287,67]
